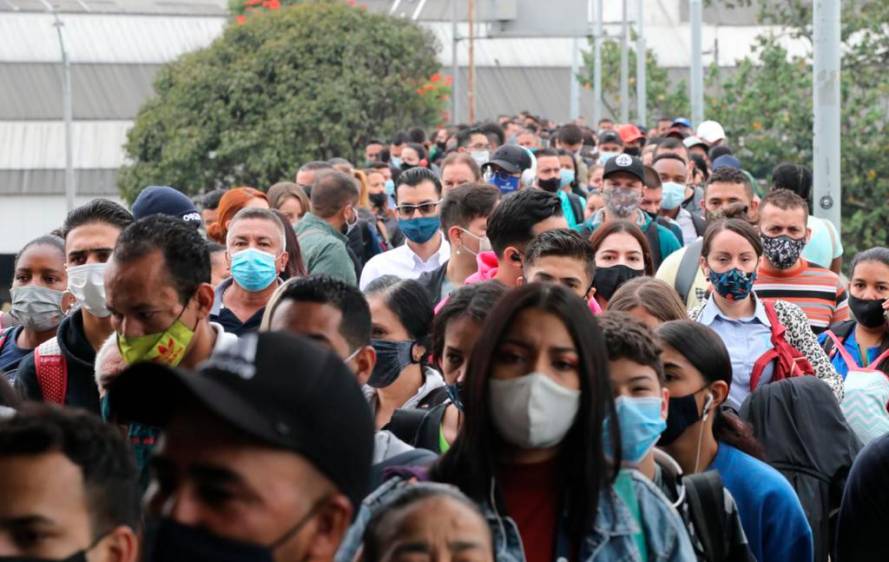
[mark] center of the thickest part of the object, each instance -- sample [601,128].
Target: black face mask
[378,199]
[79,556]
[632,151]
[167,540]
[609,279]
[392,358]
[683,414]
[551,185]
[869,313]
[405,166]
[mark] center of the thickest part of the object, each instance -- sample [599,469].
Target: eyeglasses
[426,209]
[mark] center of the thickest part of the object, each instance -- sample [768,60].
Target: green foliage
[662,98]
[306,82]
[766,109]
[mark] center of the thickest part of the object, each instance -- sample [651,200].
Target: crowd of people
[509,341]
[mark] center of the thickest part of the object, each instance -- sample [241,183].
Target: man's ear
[365,361]
[753,210]
[204,297]
[282,261]
[808,234]
[454,235]
[120,545]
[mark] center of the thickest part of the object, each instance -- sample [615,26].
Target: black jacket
[433,280]
[807,439]
[79,355]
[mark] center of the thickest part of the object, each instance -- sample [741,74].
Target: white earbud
[707,404]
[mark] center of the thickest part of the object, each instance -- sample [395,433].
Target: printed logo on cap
[192,217]
[623,160]
[238,359]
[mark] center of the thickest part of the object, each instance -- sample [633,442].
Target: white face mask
[87,284]
[480,156]
[484,244]
[533,411]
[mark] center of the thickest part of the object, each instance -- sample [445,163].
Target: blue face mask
[640,427]
[392,358]
[395,161]
[567,177]
[254,270]
[674,194]
[734,284]
[606,156]
[389,187]
[420,229]
[506,184]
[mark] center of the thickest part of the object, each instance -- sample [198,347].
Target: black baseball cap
[511,157]
[624,163]
[165,200]
[281,389]
[610,137]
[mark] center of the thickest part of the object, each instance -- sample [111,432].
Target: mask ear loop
[706,414]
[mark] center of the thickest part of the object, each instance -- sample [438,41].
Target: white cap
[693,141]
[711,132]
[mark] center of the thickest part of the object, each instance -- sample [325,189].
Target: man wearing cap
[632,138]
[623,180]
[504,171]
[610,145]
[696,145]
[265,452]
[165,200]
[711,132]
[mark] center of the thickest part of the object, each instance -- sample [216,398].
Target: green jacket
[324,249]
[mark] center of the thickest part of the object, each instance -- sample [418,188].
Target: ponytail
[730,429]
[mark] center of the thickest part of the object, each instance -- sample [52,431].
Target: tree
[662,98]
[766,108]
[305,82]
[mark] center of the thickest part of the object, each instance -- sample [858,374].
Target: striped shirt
[817,290]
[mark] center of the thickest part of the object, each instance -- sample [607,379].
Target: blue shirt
[854,351]
[771,513]
[228,319]
[10,353]
[746,340]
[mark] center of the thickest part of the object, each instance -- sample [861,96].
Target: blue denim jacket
[610,539]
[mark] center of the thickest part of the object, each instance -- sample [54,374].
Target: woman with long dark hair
[530,451]
[701,436]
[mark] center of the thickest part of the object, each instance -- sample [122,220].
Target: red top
[532,493]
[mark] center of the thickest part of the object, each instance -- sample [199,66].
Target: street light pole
[641,94]
[597,68]
[68,112]
[826,105]
[696,84]
[624,68]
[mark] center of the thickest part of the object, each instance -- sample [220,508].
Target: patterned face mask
[622,202]
[782,251]
[734,284]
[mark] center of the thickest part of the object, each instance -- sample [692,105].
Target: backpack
[704,493]
[866,395]
[688,269]
[654,241]
[789,362]
[51,369]
[419,427]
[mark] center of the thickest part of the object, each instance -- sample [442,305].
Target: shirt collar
[439,257]
[711,311]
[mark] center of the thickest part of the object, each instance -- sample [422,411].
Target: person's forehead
[456,168]
[91,235]
[255,228]
[670,166]
[789,217]
[725,190]
[620,242]
[47,484]
[560,266]
[548,161]
[424,191]
[729,241]
[303,318]
[43,256]
[441,515]
[622,177]
[625,370]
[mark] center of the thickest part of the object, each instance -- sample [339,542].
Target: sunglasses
[426,209]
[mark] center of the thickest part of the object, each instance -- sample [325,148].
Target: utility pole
[68,112]
[826,104]
[471,81]
[597,68]
[696,84]
[455,68]
[625,68]
[575,85]
[641,93]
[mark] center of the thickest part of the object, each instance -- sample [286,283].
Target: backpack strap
[706,501]
[51,369]
[405,424]
[688,269]
[654,240]
[771,354]
[698,223]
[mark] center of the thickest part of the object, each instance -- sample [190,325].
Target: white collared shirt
[404,263]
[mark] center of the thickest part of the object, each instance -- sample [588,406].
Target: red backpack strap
[760,365]
[51,369]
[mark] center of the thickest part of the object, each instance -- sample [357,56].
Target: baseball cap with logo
[626,164]
[282,390]
[165,200]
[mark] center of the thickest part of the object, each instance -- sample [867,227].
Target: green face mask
[167,347]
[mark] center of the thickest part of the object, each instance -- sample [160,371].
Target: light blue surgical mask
[395,161]
[254,270]
[641,426]
[567,177]
[389,187]
[674,195]
[606,156]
